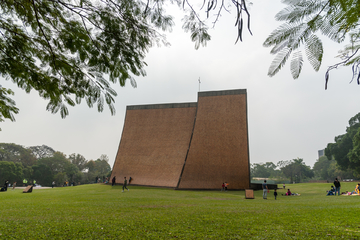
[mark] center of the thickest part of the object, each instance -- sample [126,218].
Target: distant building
[321,153]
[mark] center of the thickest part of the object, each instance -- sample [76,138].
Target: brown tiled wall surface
[156,138]
[153,145]
[219,147]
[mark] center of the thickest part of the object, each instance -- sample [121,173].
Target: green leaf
[279,61]
[296,64]
[314,51]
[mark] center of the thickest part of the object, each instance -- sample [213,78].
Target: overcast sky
[287,118]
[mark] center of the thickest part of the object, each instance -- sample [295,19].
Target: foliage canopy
[44,164]
[345,150]
[296,170]
[304,19]
[15,153]
[69,50]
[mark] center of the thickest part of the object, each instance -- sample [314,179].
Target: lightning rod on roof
[199,84]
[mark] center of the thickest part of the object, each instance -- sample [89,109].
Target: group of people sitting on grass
[355,192]
[289,193]
[331,191]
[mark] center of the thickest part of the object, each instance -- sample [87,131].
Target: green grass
[104,212]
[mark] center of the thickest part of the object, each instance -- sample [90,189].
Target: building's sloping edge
[115,170]
[187,152]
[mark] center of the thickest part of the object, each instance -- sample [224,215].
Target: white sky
[287,118]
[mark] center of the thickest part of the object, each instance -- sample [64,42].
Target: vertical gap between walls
[187,153]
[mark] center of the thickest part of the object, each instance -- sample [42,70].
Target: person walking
[226,186]
[337,186]
[275,193]
[113,181]
[125,184]
[223,187]
[14,185]
[53,184]
[265,189]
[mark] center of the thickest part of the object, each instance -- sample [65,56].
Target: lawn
[103,212]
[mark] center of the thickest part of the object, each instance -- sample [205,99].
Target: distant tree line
[346,149]
[45,165]
[342,161]
[294,170]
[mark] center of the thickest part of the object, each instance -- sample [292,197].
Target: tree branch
[42,31]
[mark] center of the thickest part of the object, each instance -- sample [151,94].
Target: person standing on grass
[275,193]
[6,185]
[14,185]
[337,186]
[226,185]
[265,189]
[113,181]
[53,184]
[283,185]
[125,183]
[223,187]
